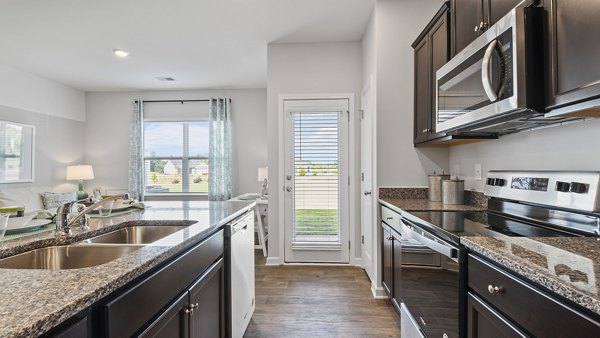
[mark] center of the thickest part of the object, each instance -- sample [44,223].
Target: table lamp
[263,176]
[80,173]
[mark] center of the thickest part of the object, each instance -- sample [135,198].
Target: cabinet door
[438,40]
[171,323]
[397,270]
[483,321]
[466,15]
[206,298]
[496,9]
[422,91]
[387,260]
[575,70]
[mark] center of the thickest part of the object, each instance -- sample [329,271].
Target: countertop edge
[537,276]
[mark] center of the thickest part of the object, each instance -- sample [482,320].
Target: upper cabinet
[574,69]
[470,18]
[431,52]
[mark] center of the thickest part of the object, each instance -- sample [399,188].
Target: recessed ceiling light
[120,53]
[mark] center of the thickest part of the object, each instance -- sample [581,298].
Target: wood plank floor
[318,301]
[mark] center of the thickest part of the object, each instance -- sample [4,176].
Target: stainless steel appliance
[496,84]
[520,203]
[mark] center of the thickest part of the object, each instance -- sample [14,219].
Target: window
[176,157]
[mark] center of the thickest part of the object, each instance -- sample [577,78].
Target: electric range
[520,203]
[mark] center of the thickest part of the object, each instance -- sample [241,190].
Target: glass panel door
[316,183]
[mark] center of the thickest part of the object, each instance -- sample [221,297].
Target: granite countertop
[421,204]
[568,266]
[34,301]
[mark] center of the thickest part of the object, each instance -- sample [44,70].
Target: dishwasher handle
[415,232]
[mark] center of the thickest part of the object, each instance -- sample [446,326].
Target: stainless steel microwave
[496,84]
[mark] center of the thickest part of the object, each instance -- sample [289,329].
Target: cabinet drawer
[390,217]
[537,312]
[131,310]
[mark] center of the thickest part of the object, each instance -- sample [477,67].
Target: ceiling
[201,43]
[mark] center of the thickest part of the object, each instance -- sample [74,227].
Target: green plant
[175,181]
[302,171]
[198,179]
[154,178]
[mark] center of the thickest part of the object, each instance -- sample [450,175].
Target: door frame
[352,170]
[368,87]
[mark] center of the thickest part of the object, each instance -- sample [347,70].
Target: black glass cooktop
[452,225]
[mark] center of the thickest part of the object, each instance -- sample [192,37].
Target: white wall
[30,92]
[569,147]
[57,112]
[399,164]
[318,68]
[107,133]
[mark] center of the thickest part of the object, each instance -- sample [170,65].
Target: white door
[316,180]
[366,168]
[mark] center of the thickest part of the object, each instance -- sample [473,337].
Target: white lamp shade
[263,174]
[80,172]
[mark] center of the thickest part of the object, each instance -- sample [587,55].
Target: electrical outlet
[478,172]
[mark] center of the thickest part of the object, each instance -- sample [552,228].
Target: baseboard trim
[273,261]
[378,291]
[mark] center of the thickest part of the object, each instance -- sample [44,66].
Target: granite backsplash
[471,197]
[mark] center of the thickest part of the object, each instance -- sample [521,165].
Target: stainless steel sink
[136,235]
[66,257]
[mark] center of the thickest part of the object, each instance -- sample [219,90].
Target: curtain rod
[181,101]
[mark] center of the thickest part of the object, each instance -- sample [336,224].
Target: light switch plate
[478,172]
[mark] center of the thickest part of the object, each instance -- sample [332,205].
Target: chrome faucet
[64,222]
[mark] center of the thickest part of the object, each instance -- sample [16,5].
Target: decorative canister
[435,186]
[453,191]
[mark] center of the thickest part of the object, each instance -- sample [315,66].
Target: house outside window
[176,157]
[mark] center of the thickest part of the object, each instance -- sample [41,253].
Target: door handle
[367,193]
[485,72]
[288,189]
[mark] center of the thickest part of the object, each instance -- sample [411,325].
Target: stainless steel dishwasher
[239,246]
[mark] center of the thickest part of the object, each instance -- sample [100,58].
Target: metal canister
[435,186]
[453,191]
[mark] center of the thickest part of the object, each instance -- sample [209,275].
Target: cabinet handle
[190,310]
[389,218]
[494,289]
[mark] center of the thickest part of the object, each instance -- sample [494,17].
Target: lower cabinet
[501,303]
[199,312]
[391,260]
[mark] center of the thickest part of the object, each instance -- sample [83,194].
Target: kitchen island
[34,301]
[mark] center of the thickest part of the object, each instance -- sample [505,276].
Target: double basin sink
[90,252]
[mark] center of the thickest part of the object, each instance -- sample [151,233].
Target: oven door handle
[485,72]
[436,246]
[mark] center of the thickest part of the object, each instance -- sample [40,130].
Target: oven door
[479,84]
[431,294]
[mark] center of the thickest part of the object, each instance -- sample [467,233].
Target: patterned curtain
[136,152]
[219,169]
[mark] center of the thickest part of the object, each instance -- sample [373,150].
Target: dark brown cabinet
[431,51]
[387,259]
[197,313]
[485,322]
[391,260]
[574,83]
[206,301]
[503,301]
[470,18]
[173,322]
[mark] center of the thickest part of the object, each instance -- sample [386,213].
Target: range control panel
[571,190]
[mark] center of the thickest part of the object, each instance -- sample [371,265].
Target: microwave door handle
[485,72]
